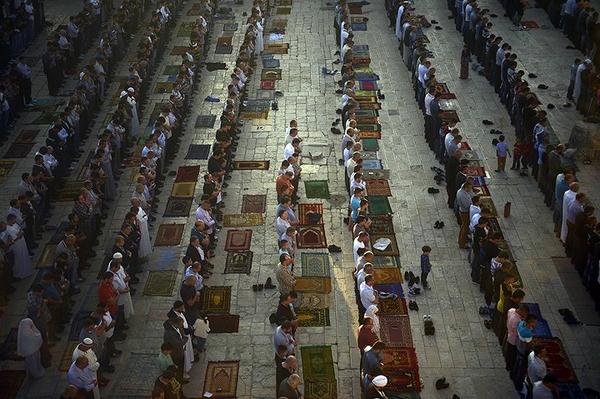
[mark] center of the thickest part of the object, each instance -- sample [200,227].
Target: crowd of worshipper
[20,23]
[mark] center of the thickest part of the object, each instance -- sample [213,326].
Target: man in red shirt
[284,186]
[107,294]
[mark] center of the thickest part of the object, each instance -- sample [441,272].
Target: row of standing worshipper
[20,23]
[49,303]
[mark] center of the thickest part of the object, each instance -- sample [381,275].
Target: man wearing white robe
[188,349]
[121,283]
[145,247]
[568,198]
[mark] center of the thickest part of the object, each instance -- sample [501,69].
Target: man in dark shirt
[285,310]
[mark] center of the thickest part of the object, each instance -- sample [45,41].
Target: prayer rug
[254,203]
[357,9]
[470,155]
[267,85]
[395,331]
[48,256]
[393,288]
[178,207]
[138,381]
[224,323]
[224,50]
[312,236]
[183,189]
[195,11]
[474,171]
[448,96]
[221,379]
[230,27]
[67,357]
[171,70]
[370,174]
[366,113]
[372,164]
[494,227]
[277,48]
[369,135]
[160,283]
[251,165]
[482,190]
[216,299]
[224,41]
[198,151]
[312,300]
[557,361]
[187,174]
[270,74]
[168,235]
[442,88]
[243,220]
[27,136]
[163,87]
[185,29]
[286,3]
[278,26]
[238,240]
[368,99]
[358,27]
[69,192]
[378,187]
[449,116]
[487,206]
[390,250]
[270,63]
[478,181]
[368,85]
[391,306]
[19,150]
[239,262]
[503,246]
[45,118]
[320,389]
[369,127]
[379,205]
[77,324]
[317,362]
[529,24]
[313,317]
[205,121]
[366,77]
[370,145]
[400,358]
[542,329]
[283,11]
[5,168]
[387,275]
[381,225]
[254,114]
[316,189]
[166,259]
[310,213]
[215,66]
[401,380]
[315,264]
[319,285]
[386,261]
[257,105]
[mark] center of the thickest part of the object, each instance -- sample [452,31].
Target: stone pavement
[462,350]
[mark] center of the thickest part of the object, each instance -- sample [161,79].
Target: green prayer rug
[315,264]
[313,317]
[171,70]
[316,189]
[320,389]
[379,205]
[45,118]
[160,283]
[370,144]
[317,362]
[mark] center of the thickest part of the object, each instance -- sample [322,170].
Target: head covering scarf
[29,338]
[372,313]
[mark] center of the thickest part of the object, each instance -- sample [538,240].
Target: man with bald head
[81,376]
[284,370]
[289,387]
[568,197]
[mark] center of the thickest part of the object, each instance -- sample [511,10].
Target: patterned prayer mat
[216,299]
[278,26]
[474,171]
[267,85]
[387,275]
[482,190]
[370,145]
[401,381]
[243,220]
[542,329]
[487,206]
[319,285]
[45,118]
[19,150]
[312,300]
[320,389]
[313,317]
[372,164]
[69,191]
[239,262]
[270,63]
[171,70]
[390,250]
[400,358]
[379,205]
[27,136]
[224,50]
[529,24]
[185,29]
[205,121]
[187,174]
[67,357]
[381,224]
[479,181]
[163,87]
[378,187]
[386,261]
[251,165]
[5,168]
[183,189]
[391,306]
[366,113]
[310,213]
[395,331]
[370,105]
[369,135]
[283,11]
[221,379]
[168,235]
[166,259]
[224,41]
[178,207]
[315,264]
[198,151]
[557,361]
[277,48]
[254,114]
[254,203]
[494,227]
[270,74]
[160,283]
[317,362]
[316,189]
[503,246]
[355,9]
[449,116]
[47,257]
[359,26]
[312,236]
[366,85]
[224,323]
[230,27]
[238,240]
[470,155]
[392,288]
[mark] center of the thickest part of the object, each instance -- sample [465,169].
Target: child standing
[201,330]
[501,152]
[425,265]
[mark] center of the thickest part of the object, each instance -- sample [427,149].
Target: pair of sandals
[438,225]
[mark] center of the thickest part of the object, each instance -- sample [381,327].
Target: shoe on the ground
[441,384]
[433,190]
[488,324]
[269,284]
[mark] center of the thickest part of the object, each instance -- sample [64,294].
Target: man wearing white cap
[84,349]
[375,389]
[121,284]
[134,126]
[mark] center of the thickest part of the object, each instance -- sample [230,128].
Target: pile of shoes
[438,225]
[441,383]
[569,317]
[428,323]
[413,282]
[412,305]
[440,175]
[268,285]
